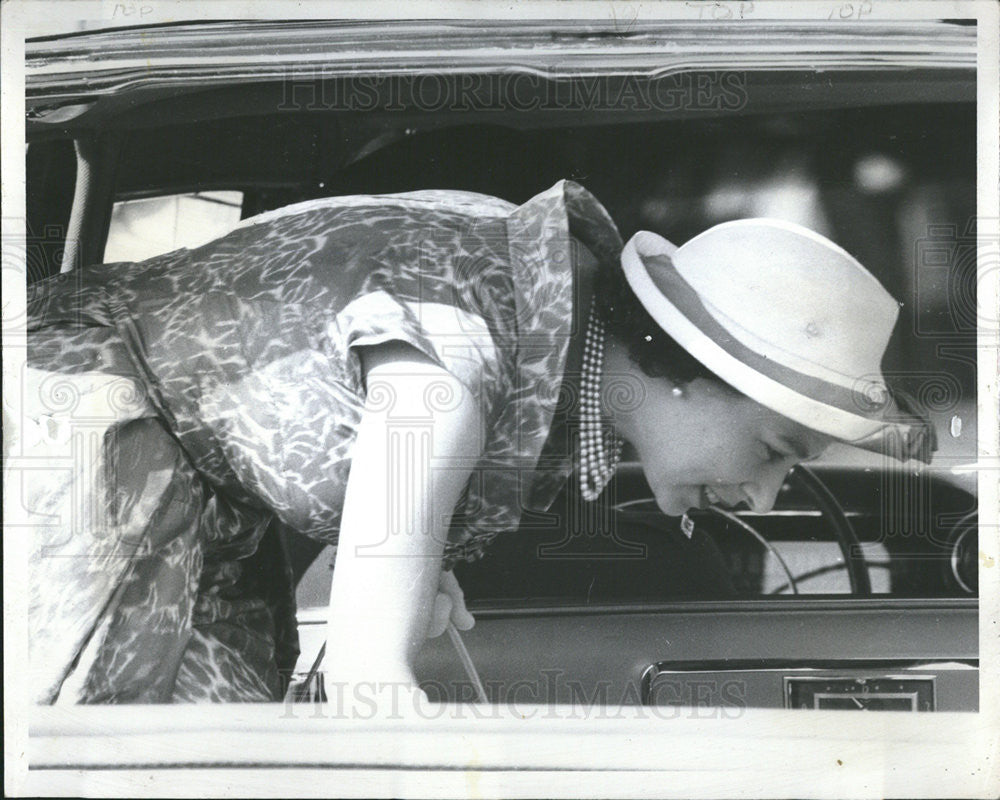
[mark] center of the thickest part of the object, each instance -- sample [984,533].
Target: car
[859,590]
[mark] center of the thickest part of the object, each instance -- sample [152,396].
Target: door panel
[602,655]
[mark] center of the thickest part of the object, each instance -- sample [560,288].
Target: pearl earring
[677,391]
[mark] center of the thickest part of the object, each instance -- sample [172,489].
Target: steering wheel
[847,539]
[804,479]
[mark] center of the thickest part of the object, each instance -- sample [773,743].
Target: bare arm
[418,440]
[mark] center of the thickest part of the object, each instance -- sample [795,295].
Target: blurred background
[894,186]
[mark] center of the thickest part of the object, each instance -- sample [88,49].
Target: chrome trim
[784,604]
[807,667]
[627,504]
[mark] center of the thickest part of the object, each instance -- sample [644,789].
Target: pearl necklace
[600,448]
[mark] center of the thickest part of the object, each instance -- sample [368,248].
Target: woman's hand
[449,605]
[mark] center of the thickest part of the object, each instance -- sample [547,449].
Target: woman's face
[711,445]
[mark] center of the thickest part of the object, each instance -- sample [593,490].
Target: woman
[391,374]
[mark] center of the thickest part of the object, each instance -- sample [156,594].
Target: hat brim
[866,415]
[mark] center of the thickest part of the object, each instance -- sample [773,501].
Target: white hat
[788,318]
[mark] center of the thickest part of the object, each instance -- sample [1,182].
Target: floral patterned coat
[201,398]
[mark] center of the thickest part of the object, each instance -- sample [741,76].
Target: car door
[673,131]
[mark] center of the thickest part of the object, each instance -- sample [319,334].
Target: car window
[149,226]
[869,176]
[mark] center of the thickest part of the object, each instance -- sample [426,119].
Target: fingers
[459,613]
[440,615]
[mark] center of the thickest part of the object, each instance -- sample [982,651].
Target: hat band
[686,300]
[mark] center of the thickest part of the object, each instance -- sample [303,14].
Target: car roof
[85,78]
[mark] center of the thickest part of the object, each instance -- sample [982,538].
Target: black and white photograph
[561,399]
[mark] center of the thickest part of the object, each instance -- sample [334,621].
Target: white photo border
[955,755]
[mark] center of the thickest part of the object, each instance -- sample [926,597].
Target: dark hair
[654,351]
